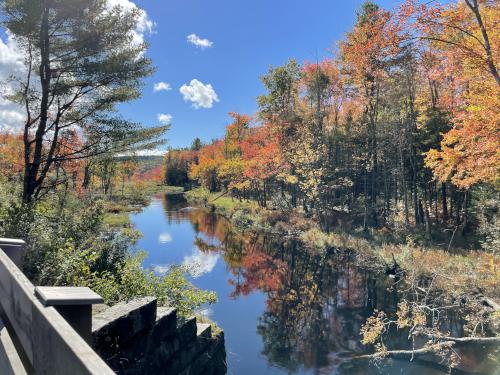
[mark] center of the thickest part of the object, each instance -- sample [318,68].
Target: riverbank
[458,273]
[289,286]
[132,199]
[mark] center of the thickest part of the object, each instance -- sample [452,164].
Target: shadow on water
[284,309]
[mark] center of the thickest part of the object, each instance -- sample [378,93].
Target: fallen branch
[490,303]
[408,353]
[433,349]
[470,340]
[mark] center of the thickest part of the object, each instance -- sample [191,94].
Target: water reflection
[200,263]
[314,303]
[164,237]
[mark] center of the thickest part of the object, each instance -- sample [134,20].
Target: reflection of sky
[164,237]
[238,317]
[199,263]
[207,312]
[241,317]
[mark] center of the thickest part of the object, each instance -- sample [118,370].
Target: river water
[283,309]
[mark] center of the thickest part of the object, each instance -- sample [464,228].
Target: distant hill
[147,163]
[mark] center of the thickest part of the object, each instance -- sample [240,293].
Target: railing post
[15,249]
[74,304]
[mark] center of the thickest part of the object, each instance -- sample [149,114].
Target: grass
[455,273]
[118,220]
[246,214]
[221,204]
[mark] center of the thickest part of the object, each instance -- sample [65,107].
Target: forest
[398,129]
[390,147]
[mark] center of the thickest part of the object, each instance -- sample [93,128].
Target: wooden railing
[35,338]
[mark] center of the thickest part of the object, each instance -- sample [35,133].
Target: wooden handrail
[44,339]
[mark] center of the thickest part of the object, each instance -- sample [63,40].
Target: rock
[117,325]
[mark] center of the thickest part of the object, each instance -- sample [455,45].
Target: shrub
[71,245]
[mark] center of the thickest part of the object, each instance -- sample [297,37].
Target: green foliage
[196,145]
[282,89]
[82,59]
[172,289]
[200,195]
[72,245]
[487,210]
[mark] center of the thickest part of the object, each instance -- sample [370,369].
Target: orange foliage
[12,157]
[11,154]
[154,175]
[464,43]
[209,160]
[261,153]
[374,38]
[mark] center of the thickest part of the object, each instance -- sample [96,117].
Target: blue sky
[247,36]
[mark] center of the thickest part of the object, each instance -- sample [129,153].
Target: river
[283,309]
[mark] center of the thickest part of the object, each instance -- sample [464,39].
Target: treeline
[106,172]
[401,125]
[178,162]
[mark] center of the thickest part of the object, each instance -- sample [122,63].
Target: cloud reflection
[164,237]
[199,263]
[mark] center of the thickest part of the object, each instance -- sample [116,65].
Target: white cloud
[11,57]
[164,118]
[199,42]
[164,237]
[12,115]
[161,86]
[201,95]
[161,269]
[144,24]
[200,263]
[151,152]
[154,152]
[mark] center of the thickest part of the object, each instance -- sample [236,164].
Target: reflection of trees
[320,310]
[316,302]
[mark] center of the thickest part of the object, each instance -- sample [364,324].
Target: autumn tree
[11,154]
[207,168]
[177,166]
[366,53]
[398,125]
[464,38]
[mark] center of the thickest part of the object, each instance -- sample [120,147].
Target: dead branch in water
[432,349]
[408,353]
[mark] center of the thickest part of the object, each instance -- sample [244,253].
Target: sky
[209,56]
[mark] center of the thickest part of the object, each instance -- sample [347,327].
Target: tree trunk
[444,203]
[32,167]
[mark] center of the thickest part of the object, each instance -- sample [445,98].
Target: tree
[196,145]
[365,55]
[177,164]
[464,38]
[10,154]
[207,168]
[80,61]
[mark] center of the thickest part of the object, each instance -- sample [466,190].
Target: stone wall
[137,337]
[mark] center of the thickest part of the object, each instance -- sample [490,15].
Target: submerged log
[448,342]
[408,353]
